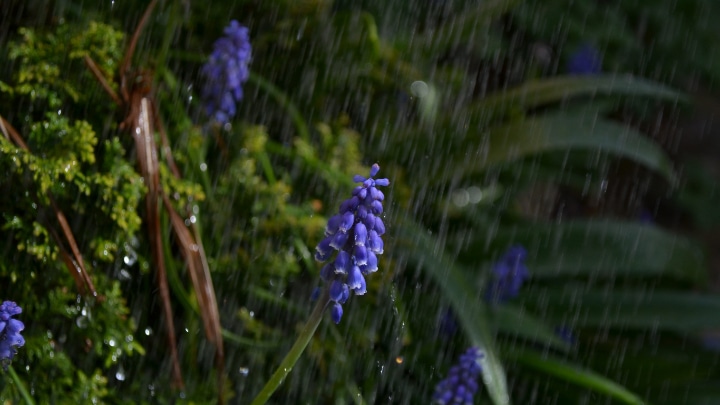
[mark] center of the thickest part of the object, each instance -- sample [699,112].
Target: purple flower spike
[461,384]
[508,276]
[586,60]
[10,337]
[225,72]
[355,233]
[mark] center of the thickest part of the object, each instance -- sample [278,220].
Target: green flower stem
[20,386]
[294,354]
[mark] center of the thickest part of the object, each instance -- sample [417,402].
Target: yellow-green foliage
[73,341]
[45,59]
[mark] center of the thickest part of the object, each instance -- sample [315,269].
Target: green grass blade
[514,321]
[605,249]
[428,253]
[676,311]
[560,131]
[547,91]
[576,375]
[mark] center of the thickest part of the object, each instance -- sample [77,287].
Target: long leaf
[547,91]
[677,311]
[428,254]
[560,131]
[576,375]
[604,249]
[512,320]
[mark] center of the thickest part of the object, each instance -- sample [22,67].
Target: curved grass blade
[512,320]
[605,249]
[576,375]
[562,131]
[537,93]
[677,311]
[427,254]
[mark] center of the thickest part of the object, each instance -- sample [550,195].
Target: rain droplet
[81,322]
[148,331]
[399,359]
[120,374]
[419,89]
[460,197]
[244,371]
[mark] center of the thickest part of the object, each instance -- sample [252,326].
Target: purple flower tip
[586,60]
[508,275]
[10,337]
[355,234]
[461,384]
[225,71]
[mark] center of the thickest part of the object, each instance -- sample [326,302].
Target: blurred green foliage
[486,143]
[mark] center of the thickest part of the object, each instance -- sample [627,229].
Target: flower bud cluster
[353,235]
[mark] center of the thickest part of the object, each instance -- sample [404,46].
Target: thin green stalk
[267,167]
[20,386]
[297,349]
[282,99]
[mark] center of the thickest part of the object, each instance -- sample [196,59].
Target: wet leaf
[560,131]
[576,375]
[428,254]
[635,309]
[605,249]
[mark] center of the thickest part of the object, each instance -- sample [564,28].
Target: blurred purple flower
[508,276]
[461,384]
[225,71]
[354,233]
[10,329]
[646,217]
[586,60]
[447,323]
[566,334]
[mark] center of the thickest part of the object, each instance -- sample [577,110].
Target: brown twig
[130,50]
[147,158]
[199,272]
[100,78]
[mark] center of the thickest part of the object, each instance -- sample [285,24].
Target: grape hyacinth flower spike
[225,71]
[354,235]
[586,60]
[10,329]
[461,384]
[508,276]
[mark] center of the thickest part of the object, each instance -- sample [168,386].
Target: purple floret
[10,337]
